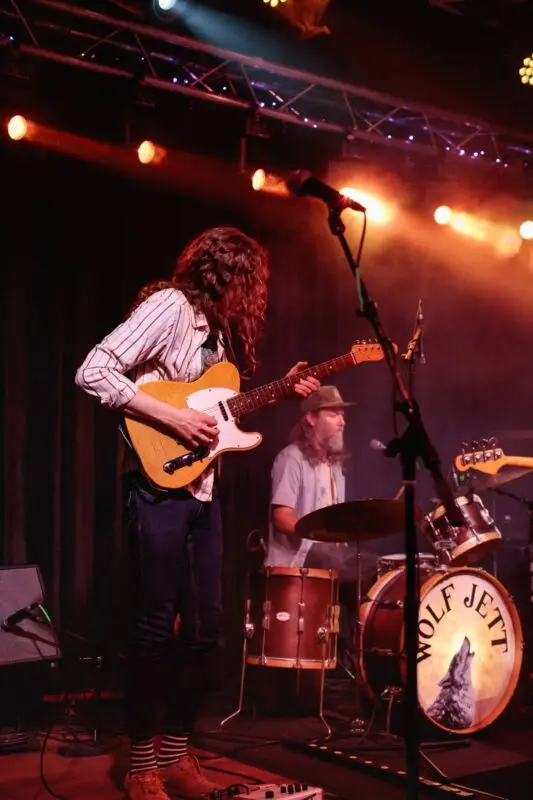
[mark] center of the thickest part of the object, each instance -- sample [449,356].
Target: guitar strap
[228,346]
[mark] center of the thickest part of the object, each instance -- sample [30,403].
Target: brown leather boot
[184,778]
[142,785]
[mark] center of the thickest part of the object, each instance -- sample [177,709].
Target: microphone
[420,323]
[302,183]
[378,445]
[17,616]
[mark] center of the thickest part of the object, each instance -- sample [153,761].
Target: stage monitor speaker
[32,637]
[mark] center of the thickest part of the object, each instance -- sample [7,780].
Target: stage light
[150,153]
[263,181]
[526,229]
[17,128]
[376,209]
[526,72]
[443,215]
[146,152]
[166,5]
[273,3]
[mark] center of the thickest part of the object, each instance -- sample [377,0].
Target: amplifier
[274,791]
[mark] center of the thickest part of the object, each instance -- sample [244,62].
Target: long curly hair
[303,435]
[223,273]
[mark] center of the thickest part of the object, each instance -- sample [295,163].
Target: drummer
[309,474]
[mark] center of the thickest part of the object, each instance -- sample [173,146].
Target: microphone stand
[413,444]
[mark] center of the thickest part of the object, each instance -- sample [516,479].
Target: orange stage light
[376,210]
[443,215]
[526,229]
[149,153]
[263,181]
[17,128]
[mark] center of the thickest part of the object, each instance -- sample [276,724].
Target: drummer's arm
[287,479]
[284,519]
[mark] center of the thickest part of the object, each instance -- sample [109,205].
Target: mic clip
[414,343]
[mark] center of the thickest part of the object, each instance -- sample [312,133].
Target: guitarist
[175,330]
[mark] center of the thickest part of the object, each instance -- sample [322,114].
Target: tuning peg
[493,442]
[474,445]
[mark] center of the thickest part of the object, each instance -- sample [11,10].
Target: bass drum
[469,651]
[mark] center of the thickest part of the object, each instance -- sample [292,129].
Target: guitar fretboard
[272,392]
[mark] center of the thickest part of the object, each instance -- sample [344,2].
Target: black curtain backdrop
[79,240]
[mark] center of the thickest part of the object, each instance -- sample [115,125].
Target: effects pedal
[273,791]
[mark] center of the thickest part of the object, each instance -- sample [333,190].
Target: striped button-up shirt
[161,340]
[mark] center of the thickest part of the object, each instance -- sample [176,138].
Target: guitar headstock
[483,455]
[369,350]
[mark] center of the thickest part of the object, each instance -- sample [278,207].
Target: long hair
[223,273]
[303,435]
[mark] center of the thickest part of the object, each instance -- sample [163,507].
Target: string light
[526,72]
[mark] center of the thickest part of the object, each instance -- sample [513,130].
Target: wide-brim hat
[324,397]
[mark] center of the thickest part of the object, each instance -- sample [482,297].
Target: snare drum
[469,650]
[292,618]
[467,543]
[427,563]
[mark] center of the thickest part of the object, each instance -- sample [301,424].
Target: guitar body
[155,448]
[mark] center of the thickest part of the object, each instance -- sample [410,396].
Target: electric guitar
[485,456]
[169,464]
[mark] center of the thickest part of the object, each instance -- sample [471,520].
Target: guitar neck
[526,462]
[277,390]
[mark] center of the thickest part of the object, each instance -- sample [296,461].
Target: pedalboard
[273,791]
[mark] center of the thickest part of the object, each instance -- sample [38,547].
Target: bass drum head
[469,650]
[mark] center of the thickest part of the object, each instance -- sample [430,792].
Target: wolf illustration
[454,706]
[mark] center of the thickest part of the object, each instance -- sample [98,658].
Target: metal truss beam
[159,58]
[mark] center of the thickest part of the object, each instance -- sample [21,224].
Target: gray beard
[334,445]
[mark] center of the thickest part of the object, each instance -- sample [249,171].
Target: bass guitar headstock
[484,456]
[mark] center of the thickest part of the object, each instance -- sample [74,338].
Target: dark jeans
[178,552]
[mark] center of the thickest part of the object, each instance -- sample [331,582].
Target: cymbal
[355,521]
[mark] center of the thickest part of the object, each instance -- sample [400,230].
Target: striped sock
[172,749]
[142,757]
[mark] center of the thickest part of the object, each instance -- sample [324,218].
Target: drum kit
[469,632]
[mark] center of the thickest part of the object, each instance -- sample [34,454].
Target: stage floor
[249,749]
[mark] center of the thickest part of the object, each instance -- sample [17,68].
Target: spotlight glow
[258,180]
[17,128]
[526,229]
[263,181]
[146,152]
[166,5]
[443,215]
[376,210]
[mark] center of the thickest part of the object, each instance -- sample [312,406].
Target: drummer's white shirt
[303,487]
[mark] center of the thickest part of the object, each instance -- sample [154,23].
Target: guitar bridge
[186,460]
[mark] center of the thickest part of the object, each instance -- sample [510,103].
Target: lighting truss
[157,57]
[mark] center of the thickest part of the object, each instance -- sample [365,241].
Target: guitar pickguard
[213,401]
